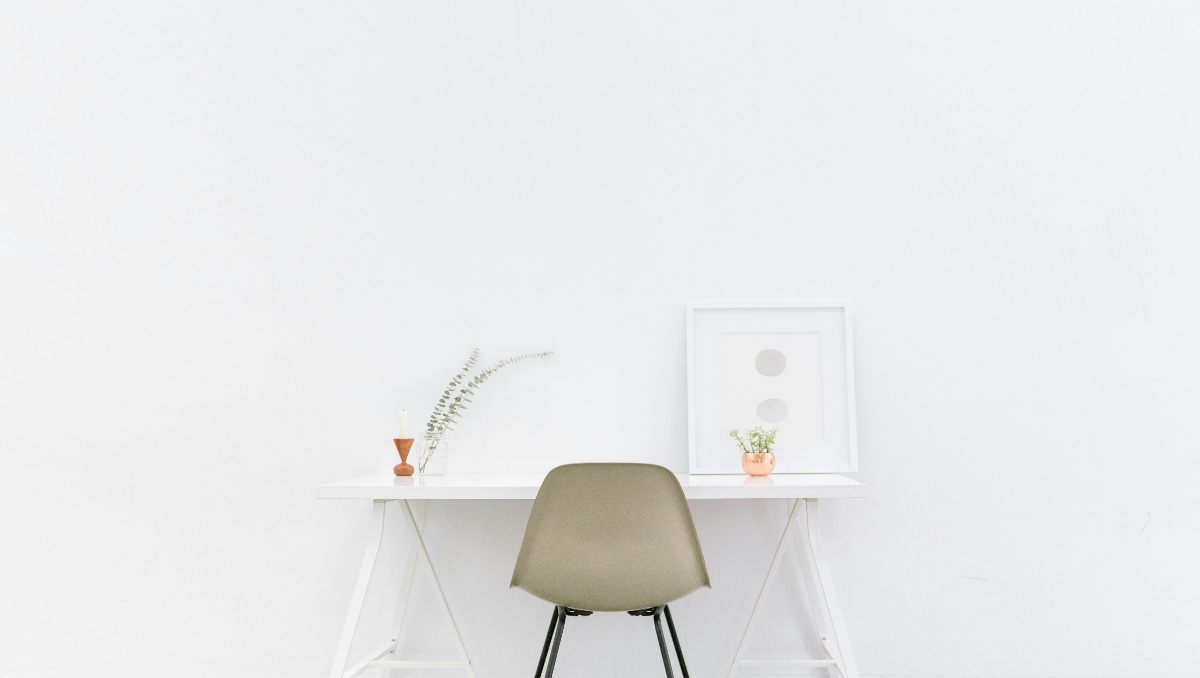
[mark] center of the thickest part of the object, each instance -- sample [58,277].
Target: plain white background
[236,238]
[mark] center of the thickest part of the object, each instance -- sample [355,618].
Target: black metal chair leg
[675,639]
[562,621]
[662,642]
[546,645]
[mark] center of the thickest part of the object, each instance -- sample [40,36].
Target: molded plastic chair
[610,537]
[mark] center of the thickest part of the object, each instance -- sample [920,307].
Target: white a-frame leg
[417,553]
[804,532]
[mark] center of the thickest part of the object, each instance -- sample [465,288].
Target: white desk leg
[811,588]
[406,580]
[360,589]
[423,553]
[817,568]
[762,595]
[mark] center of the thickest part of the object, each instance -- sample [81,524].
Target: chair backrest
[610,537]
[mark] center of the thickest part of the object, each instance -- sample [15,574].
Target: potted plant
[757,458]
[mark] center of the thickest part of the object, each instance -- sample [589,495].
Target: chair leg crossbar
[558,621]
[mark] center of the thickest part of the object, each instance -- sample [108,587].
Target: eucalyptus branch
[457,395]
[440,410]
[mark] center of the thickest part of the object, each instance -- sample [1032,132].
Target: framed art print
[782,365]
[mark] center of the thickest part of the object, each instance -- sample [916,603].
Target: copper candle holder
[404,446]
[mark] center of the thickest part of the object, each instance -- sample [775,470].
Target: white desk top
[525,486]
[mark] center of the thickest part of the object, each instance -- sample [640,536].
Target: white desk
[801,491]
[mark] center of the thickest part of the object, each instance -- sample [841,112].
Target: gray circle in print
[772,411]
[770,363]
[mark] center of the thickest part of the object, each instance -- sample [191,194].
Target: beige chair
[610,537]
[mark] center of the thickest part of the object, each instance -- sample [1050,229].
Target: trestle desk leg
[406,580]
[820,618]
[360,589]
[762,595]
[824,594]
[423,554]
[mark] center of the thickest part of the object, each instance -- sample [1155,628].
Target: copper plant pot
[758,463]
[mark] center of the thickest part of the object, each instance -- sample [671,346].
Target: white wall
[236,237]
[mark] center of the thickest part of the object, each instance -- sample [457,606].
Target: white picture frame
[782,364]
